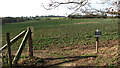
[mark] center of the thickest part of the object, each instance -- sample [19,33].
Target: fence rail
[16,38]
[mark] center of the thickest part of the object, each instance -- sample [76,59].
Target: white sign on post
[97,33]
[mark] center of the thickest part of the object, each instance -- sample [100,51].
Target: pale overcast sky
[17,8]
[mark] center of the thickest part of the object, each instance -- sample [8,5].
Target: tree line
[14,19]
[22,19]
[91,16]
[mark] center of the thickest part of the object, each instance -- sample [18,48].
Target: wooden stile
[27,35]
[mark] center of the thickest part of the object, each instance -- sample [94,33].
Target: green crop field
[64,32]
[72,38]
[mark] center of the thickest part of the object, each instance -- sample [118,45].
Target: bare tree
[84,6]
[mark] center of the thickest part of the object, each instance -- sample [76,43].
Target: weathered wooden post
[9,49]
[97,35]
[97,42]
[30,43]
[19,52]
[32,31]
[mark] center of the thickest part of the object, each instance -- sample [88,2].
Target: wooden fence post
[32,30]
[9,49]
[17,56]
[97,42]
[30,44]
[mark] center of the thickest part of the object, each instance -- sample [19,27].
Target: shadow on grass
[42,61]
[75,58]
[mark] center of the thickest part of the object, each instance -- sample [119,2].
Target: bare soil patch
[78,23]
[85,22]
